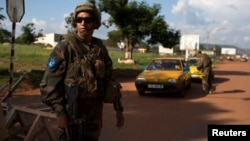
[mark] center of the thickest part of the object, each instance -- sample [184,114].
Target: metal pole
[12,53]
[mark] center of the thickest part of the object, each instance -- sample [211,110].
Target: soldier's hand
[100,68]
[62,123]
[120,119]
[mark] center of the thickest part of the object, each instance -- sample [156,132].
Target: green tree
[2,17]
[115,37]
[68,20]
[217,50]
[138,21]
[5,35]
[28,36]
[40,33]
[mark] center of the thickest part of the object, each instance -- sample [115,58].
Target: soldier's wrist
[59,110]
[58,114]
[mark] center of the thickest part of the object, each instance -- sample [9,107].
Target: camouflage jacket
[59,67]
[204,63]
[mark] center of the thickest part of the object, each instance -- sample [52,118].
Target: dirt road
[157,117]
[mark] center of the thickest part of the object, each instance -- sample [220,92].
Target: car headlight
[140,79]
[171,80]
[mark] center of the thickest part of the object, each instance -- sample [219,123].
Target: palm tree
[2,17]
[5,35]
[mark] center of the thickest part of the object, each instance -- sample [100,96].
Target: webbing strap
[73,44]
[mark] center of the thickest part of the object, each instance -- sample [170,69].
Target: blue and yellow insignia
[52,63]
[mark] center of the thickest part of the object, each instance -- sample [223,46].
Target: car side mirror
[186,68]
[143,67]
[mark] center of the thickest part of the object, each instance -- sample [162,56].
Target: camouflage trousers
[91,113]
[207,81]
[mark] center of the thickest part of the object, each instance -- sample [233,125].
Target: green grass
[26,57]
[140,58]
[31,60]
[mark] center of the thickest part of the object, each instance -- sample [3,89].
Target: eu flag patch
[52,63]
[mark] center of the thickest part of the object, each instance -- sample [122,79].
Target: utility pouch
[112,91]
[76,130]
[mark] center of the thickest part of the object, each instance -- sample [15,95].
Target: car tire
[189,85]
[141,92]
[181,92]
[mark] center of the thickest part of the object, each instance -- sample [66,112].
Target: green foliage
[115,36]
[144,45]
[5,35]
[217,50]
[2,17]
[68,20]
[138,21]
[28,36]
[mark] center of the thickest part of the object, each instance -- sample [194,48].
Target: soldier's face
[85,23]
[198,54]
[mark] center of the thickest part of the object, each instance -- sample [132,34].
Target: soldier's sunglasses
[85,19]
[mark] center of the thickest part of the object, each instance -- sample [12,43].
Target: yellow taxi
[168,75]
[195,73]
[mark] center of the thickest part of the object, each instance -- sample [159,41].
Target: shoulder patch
[52,63]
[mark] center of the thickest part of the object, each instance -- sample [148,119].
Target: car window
[155,65]
[192,62]
[171,64]
[165,65]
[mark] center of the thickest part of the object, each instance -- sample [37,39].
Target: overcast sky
[215,21]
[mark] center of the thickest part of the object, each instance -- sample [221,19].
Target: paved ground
[165,117]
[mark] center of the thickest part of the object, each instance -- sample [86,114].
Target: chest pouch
[87,81]
[86,68]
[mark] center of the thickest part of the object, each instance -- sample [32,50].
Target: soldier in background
[204,64]
[76,78]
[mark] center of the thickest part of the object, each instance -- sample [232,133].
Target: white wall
[50,38]
[163,50]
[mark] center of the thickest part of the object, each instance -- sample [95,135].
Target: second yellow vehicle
[195,73]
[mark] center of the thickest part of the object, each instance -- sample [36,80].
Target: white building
[228,51]
[49,39]
[165,51]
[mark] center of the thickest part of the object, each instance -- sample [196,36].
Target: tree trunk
[129,49]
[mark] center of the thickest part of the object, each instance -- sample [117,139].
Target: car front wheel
[141,92]
[189,85]
[181,92]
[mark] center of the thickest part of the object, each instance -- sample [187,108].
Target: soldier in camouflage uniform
[76,76]
[205,65]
